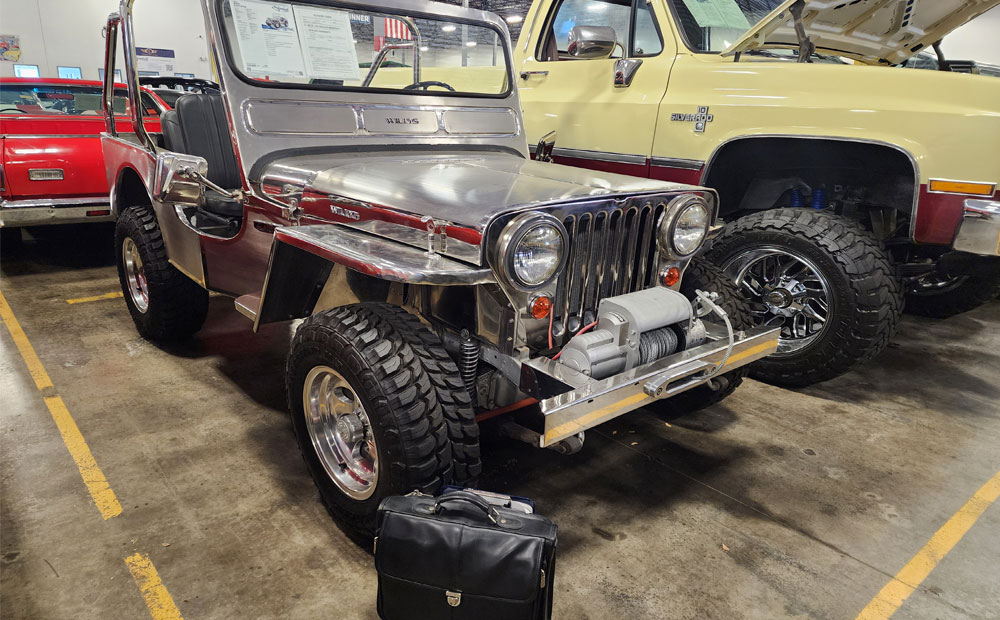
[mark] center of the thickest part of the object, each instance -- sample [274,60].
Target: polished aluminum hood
[399,195]
[869,31]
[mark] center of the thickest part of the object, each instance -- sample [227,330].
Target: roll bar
[122,20]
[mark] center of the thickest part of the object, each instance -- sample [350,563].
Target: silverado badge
[700,120]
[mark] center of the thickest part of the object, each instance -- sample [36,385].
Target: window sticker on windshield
[718,14]
[269,43]
[327,43]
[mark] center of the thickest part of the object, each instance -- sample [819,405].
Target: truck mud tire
[165,305]
[941,298]
[365,414]
[823,279]
[452,395]
[704,276]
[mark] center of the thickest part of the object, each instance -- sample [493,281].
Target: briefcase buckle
[454,598]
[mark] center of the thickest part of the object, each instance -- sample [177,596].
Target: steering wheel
[426,84]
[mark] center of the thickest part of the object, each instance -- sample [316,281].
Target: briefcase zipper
[375,546]
[543,579]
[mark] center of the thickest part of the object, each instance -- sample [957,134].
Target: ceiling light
[448,28]
[514,19]
[470,44]
[424,48]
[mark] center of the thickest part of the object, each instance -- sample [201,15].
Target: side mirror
[589,42]
[543,152]
[173,181]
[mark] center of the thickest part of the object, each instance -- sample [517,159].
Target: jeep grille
[612,252]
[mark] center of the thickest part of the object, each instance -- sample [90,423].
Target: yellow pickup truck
[847,183]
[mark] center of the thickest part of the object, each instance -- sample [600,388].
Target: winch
[633,330]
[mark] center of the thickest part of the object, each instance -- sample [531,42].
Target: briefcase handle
[471,498]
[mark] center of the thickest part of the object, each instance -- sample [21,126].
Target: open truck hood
[869,31]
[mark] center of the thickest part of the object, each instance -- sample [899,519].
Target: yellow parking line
[916,570]
[161,605]
[83,300]
[104,498]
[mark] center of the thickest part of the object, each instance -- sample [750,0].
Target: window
[60,100]
[621,15]
[713,25]
[149,74]
[70,73]
[26,71]
[118,75]
[299,45]
[184,75]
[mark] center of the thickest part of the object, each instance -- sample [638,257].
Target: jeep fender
[308,263]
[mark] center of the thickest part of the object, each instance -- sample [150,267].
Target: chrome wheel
[936,284]
[341,432]
[138,288]
[786,291]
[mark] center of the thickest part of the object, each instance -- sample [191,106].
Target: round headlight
[685,226]
[533,249]
[690,229]
[537,256]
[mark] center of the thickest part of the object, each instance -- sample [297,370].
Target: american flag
[397,29]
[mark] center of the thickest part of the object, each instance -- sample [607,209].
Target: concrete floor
[775,504]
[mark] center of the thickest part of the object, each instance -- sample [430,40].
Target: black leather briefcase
[458,557]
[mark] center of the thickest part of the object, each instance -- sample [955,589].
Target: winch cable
[582,331]
[707,300]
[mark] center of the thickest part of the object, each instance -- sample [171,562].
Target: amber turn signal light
[961,187]
[671,276]
[541,307]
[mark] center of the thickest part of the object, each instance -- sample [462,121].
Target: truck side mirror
[590,42]
[173,181]
[543,152]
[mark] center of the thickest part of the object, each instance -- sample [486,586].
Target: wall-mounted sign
[10,47]
[154,60]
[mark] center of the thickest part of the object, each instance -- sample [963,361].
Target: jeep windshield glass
[320,46]
[712,25]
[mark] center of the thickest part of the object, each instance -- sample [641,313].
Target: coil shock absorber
[468,364]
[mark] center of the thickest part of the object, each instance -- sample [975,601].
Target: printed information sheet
[327,43]
[268,41]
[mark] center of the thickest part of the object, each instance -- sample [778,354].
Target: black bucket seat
[197,126]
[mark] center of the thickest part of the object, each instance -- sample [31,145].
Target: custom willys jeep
[846,183]
[391,202]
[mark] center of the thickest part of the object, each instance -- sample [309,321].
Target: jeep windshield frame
[501,49]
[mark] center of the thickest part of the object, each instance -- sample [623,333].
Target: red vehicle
[51,165]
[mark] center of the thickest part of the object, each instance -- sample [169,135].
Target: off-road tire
[177,305]
[866,298]
[975,291]
[414,452]
[704,276]
[452,395]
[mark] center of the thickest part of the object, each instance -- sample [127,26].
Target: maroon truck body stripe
[939,215]
[676,175]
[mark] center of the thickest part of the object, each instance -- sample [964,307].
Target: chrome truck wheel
[940,295]
[822,278]
[365,413]
[784,290]
[165,304]
[341,432]
[135,278]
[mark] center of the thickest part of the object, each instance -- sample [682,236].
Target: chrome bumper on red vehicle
[979,232]
[46,211]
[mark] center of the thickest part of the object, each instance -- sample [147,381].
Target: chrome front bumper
[19,213]
[591,402]
[979,232]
